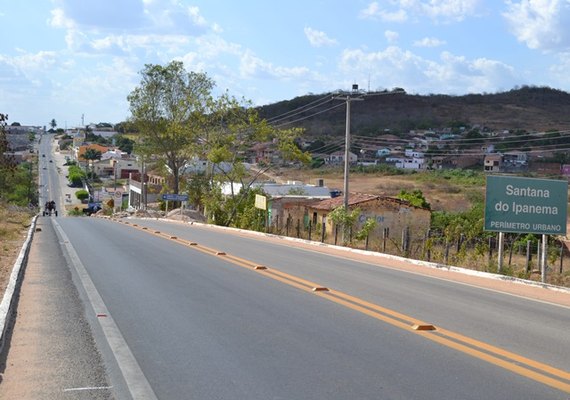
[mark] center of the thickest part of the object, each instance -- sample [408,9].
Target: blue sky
[66,58]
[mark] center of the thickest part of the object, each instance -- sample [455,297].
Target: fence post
[368,236]
[385,234]
[528,256]
[310,230]
[427,246]
[323,230]
[277,224]
[490,249]
[287,226]
[298,228]
[561,255]
[335,234]
[446,255]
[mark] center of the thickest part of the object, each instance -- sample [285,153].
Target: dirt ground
[442,196]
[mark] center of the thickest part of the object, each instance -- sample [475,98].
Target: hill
[533,109]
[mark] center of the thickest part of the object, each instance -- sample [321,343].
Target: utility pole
[353,96]
[348,98]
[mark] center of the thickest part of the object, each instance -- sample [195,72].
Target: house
[337,158]
[286,201]
[116,167]
[383,152]
[492,162]
[80,151]
[200,166]
[388,212]
[263,152]
[515,157]
[152,186]
[412,160]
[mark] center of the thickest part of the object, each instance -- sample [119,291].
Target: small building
[388,212]
[493,162]
[337,158]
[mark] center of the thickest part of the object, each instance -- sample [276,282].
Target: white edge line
[13,282]
[81,389]
[135,379]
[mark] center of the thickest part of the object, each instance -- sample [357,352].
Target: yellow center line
[556,378]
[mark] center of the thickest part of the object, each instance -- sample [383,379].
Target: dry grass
[14,225]
[441,195]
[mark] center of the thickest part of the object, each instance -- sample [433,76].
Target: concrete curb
[420,263]
[13,286]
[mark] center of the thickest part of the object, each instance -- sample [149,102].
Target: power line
[299,110]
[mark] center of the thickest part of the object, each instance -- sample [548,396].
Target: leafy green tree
[167,109]
[7,165]
[53,123]
[415,198]
[346,219]
[76,176]
[92,154]
[124,143]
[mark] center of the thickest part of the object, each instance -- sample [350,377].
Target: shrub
[82,194]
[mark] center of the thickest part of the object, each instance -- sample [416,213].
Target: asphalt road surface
[178,311]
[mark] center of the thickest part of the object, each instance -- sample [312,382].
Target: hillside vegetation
[527,108]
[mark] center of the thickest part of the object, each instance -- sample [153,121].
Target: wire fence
[521,257]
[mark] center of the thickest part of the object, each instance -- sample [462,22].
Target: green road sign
[526,205]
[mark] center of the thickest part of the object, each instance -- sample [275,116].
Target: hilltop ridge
[529,108]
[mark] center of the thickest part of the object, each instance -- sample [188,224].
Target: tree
[7,165]
[92,154]
[167,109]
[124,143]
[53,123]
[415,198]
[229,130]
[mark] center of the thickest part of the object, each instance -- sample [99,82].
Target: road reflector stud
[145,228]
[423,327]
[38,229]
[320,289]
[260,267]
[173,237]
[135,225]
[156,231]
[220,253]
[193,244]
[101,315]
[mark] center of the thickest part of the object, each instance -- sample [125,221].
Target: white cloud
[252,66]
[540,24]
[373,11]
[447,9]
[429,42]
[391,36]
[402,10]
[318,38]
[452,75]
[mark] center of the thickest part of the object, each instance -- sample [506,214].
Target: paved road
[202,327]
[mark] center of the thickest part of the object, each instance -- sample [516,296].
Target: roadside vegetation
[18,204]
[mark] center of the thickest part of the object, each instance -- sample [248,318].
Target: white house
[338,158]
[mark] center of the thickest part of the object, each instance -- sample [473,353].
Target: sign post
[526,205]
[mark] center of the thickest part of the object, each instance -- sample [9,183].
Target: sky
[76,61]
